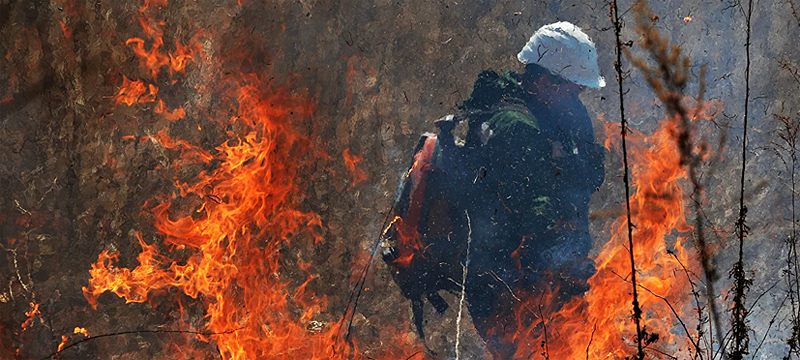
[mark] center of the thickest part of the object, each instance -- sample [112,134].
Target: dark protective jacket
[516,191]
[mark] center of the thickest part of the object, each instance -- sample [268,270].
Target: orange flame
[31,315]
[65,29]
[63,342]
[152,59]
[351,161]
[599,323]
[133,92]
[80,330]
[170,115]
[234,242]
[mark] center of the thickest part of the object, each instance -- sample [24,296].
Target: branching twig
[694,343]
[726,339]
[701,320]
[355,294]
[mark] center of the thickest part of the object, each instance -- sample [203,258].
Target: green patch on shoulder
[508,119]
[541,205]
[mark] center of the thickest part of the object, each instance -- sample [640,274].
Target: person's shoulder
[492,88]
[513,118]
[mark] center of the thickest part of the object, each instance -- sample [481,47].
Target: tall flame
[247,217]
[598,324]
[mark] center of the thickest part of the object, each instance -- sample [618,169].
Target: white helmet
[566,51]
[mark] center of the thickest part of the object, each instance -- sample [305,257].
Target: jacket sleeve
[591,156]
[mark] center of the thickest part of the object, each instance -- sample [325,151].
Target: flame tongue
[599,323]
[248,213]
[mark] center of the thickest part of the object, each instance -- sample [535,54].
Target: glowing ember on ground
[31,315]
[63,342]
[80,330]
[351,161]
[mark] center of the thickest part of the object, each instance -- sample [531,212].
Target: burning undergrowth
[232,233]
[599,322]
[232,241]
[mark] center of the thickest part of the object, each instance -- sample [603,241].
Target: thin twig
[726,339]
[637,311]
[130,332]
[694,343]
[355,294]
[771,322]
[698,306]
[739,325]
[674,312]
[463,286]
[591,337]
[414,354]
[789,134]
[546,350]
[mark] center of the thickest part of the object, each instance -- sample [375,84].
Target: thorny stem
[789,134]
[725,339]
[739,319]
[637,311]
[793,239]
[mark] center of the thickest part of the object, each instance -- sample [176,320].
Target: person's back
[515,192]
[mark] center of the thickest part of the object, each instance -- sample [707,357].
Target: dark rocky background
[379,73]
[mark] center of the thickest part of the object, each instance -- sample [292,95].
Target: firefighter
[513,193]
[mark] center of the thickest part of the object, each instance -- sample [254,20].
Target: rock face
[378,73]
